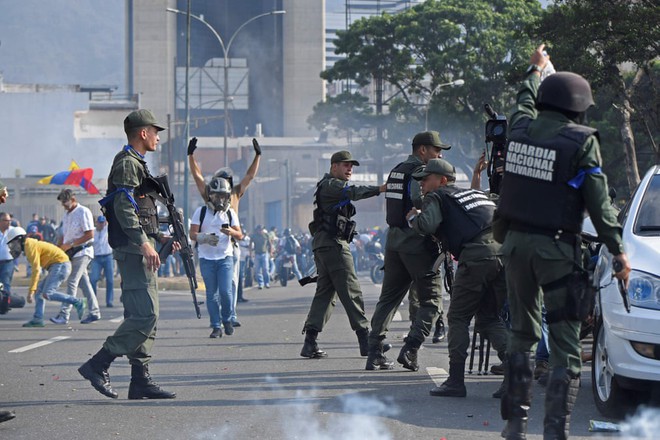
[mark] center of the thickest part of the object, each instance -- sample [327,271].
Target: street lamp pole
[225,67]
[458,82]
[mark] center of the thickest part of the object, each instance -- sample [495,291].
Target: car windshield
[648,218]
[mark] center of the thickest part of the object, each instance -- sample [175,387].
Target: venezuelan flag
[74,176]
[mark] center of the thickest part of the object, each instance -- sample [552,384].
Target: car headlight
[644,290]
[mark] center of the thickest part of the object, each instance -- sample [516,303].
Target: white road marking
[397,316]
[438,375]
[39,344]
[117,319]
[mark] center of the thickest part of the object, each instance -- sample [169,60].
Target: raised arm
[251,171]
[195,169]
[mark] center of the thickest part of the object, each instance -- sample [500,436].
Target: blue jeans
[6,273]
[80,278]
[217,275]
[103,263]
[261,268]
[48,286]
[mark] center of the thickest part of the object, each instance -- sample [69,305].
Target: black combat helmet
[565,91]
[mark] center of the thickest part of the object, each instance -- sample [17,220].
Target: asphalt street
[250,385]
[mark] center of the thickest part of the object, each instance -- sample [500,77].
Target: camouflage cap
[343,156]
[141,118]
[436,166]
[431,138]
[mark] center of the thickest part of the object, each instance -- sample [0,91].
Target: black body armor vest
[535,188]
[337,222]
[466,213]
[146,208]
[397,196]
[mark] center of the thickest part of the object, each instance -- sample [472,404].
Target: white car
[626,350]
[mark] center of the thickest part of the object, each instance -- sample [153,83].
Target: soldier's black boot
[95,371]
[376,360]
[408,354]
[560,398]
[439,333]
[363,341]
[310,347]
[142,387]
[454,386]
[517,399]
[505,383]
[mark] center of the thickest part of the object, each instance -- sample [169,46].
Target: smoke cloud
[645,423]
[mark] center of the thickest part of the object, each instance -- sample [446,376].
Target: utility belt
[559,235]
[336,225]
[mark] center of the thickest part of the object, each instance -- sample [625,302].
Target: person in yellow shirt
[41,254]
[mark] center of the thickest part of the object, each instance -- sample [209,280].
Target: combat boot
[516,401]
[310,347]
[454,386]
[363,341]
[376,360]
[142,387]
[439,333]
[505,383]
[560,398]
[95,371]
[408,354]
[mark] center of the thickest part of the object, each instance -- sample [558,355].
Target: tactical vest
[397,195]
[535,188]
[144,203]
[466,213]
[330,221]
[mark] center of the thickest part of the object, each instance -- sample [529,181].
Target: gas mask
[219,192]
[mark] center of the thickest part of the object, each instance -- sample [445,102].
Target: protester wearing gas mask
[214,227]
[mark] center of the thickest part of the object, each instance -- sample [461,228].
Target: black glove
[192,146]
[257,148]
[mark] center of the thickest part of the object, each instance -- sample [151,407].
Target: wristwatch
[533,68]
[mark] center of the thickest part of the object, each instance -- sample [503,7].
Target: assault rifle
[175,220]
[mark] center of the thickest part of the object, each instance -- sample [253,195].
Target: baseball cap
[100,219]
[141,118]
[436,166]
[431,138]
[2,185]
[343,156]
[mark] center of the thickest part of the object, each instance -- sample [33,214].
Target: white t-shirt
[101,246]
[74,226]
[212,224]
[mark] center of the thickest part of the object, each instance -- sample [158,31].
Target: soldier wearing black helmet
[552,174]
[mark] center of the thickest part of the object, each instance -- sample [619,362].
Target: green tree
[436,42]
[612,43]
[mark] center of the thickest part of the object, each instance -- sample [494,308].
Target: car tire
[608,395]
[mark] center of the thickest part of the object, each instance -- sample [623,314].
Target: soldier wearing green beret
[332,230]
[132,231]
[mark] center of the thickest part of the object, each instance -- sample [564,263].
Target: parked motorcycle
[377,258]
